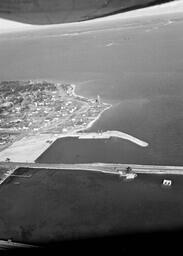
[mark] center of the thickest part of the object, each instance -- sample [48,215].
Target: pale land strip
[7,174]
[116,134]
[11,245]
[101,167]
[29,148]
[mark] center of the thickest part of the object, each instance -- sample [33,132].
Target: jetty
[109,134]
[31,147]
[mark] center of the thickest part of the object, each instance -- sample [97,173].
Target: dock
[98,167]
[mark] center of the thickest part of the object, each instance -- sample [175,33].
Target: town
[33,107]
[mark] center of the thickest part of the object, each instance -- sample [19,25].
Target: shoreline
[97,118]
[119,134]
[31,146]
[90,124]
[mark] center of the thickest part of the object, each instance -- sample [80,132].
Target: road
[100,167]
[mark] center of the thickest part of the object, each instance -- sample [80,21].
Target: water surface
[138,69]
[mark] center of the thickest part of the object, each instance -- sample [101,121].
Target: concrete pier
[109,134]
[101,167]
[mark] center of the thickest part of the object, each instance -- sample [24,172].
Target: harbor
[29,148]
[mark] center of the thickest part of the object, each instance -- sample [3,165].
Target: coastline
[97,118]
[119,134]
[31,146]
[90,124]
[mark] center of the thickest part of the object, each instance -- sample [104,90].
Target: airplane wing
[63,11]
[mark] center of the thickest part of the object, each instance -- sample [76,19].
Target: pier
[109,134]
[96,167]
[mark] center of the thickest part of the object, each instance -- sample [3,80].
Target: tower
[98,101]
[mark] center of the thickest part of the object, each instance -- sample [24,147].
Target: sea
[136,67]
[54,205]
